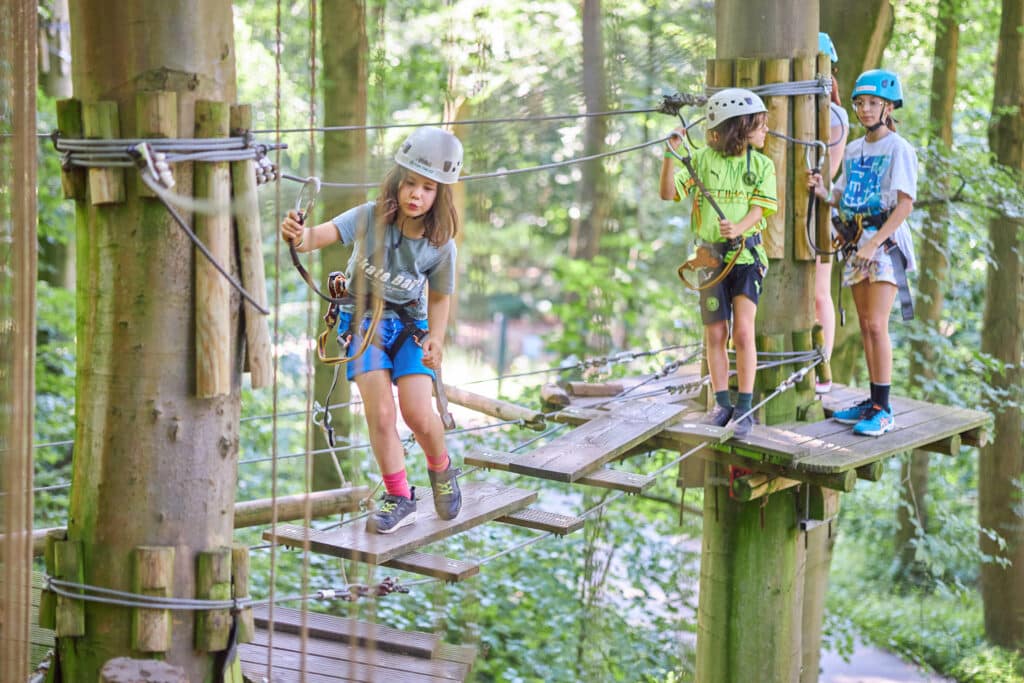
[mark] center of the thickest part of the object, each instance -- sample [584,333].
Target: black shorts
[716,302]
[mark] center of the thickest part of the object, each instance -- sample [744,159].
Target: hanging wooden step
[436,566]
[588,447]
[606,478]
[340,649]
[541,520]
[481,502]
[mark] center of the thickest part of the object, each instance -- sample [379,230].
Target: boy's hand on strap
[729,229]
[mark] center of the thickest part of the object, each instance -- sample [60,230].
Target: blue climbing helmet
[826,47]
[880,83]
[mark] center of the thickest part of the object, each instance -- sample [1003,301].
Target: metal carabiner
[306,199]
[672,150]
[819,158]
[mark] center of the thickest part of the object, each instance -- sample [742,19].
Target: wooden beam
[949,445]
[759,485]
[503,410]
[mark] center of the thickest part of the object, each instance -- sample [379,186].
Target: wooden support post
[782,408]
[69,123]
[818,504]
[126,670]
[818,542]
[805,387]
[99,121]
[153,576]
[213,582]
[824,368]
[213,292]
[947,446]
[752,551]
[691,472]
[156,116]
[48,599]
[67,558]
[777,149]
[246,626]
[250,257]
[805,125]
[823,212]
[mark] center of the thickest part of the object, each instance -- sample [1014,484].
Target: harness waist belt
[723,248]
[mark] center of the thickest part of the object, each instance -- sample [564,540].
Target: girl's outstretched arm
[304,238]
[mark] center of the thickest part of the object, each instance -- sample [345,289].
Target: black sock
[883,397]
[722,398]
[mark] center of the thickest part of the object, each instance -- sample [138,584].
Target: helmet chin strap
[872,129]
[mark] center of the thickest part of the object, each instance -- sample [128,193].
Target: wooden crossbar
[542,520]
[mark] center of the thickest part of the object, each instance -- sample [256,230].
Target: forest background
[618,601]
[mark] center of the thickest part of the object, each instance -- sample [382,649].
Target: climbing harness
[848,234]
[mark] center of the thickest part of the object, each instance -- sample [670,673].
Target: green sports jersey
[723,177]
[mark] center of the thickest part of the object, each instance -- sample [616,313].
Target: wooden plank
[605,478]
[503,410]
[601,389]
[481,502]
[542,520]
[435,565]
[379,637]
[840,481]
[912,431]
[328,660]
[588,447]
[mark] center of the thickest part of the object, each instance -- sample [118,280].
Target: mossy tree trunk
[911,515]
[593,202]
[18,209]
[750,611]
[1001,470]
[344,48]
[154,465]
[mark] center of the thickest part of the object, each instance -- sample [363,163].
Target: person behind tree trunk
[876,189]
[839,127]
[742,182]
[403,252]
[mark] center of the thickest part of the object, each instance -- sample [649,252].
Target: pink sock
[397,485]
[440,463]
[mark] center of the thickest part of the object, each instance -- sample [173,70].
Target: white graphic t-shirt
[400,271]
[873,174]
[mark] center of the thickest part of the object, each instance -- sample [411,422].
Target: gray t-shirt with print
[399,272]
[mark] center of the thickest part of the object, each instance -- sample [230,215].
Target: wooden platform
[339,649]
[481,502]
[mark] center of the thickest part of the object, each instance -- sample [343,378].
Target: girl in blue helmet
[403,252]
[876,191]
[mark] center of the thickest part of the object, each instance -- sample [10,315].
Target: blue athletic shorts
[408,360]
[716,302]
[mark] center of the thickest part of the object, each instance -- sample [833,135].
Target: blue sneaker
[878,421]
[853,414]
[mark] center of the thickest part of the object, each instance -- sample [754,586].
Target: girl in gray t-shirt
[403,253]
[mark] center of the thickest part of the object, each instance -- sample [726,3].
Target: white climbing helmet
[433,153]
[730,103]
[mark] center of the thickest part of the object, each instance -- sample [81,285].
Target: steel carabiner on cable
[306,199]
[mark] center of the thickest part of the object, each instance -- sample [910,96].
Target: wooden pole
[18,275]
[213,292]
[100,121]
[805,127]
[154,576]
[777,149]
[250,257]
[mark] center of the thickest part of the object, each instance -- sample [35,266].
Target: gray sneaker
[447,496]
[719,416]
[394,513]
[741,428]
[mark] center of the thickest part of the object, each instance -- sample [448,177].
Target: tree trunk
[17,329]
[593,205]
[860,30]
[753,550]
[154,465]
[934,267]
[1001,466]
[345,100]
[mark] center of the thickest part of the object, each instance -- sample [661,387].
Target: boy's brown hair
[730,137]
[440,223]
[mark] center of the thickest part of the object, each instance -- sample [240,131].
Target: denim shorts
[408,360]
